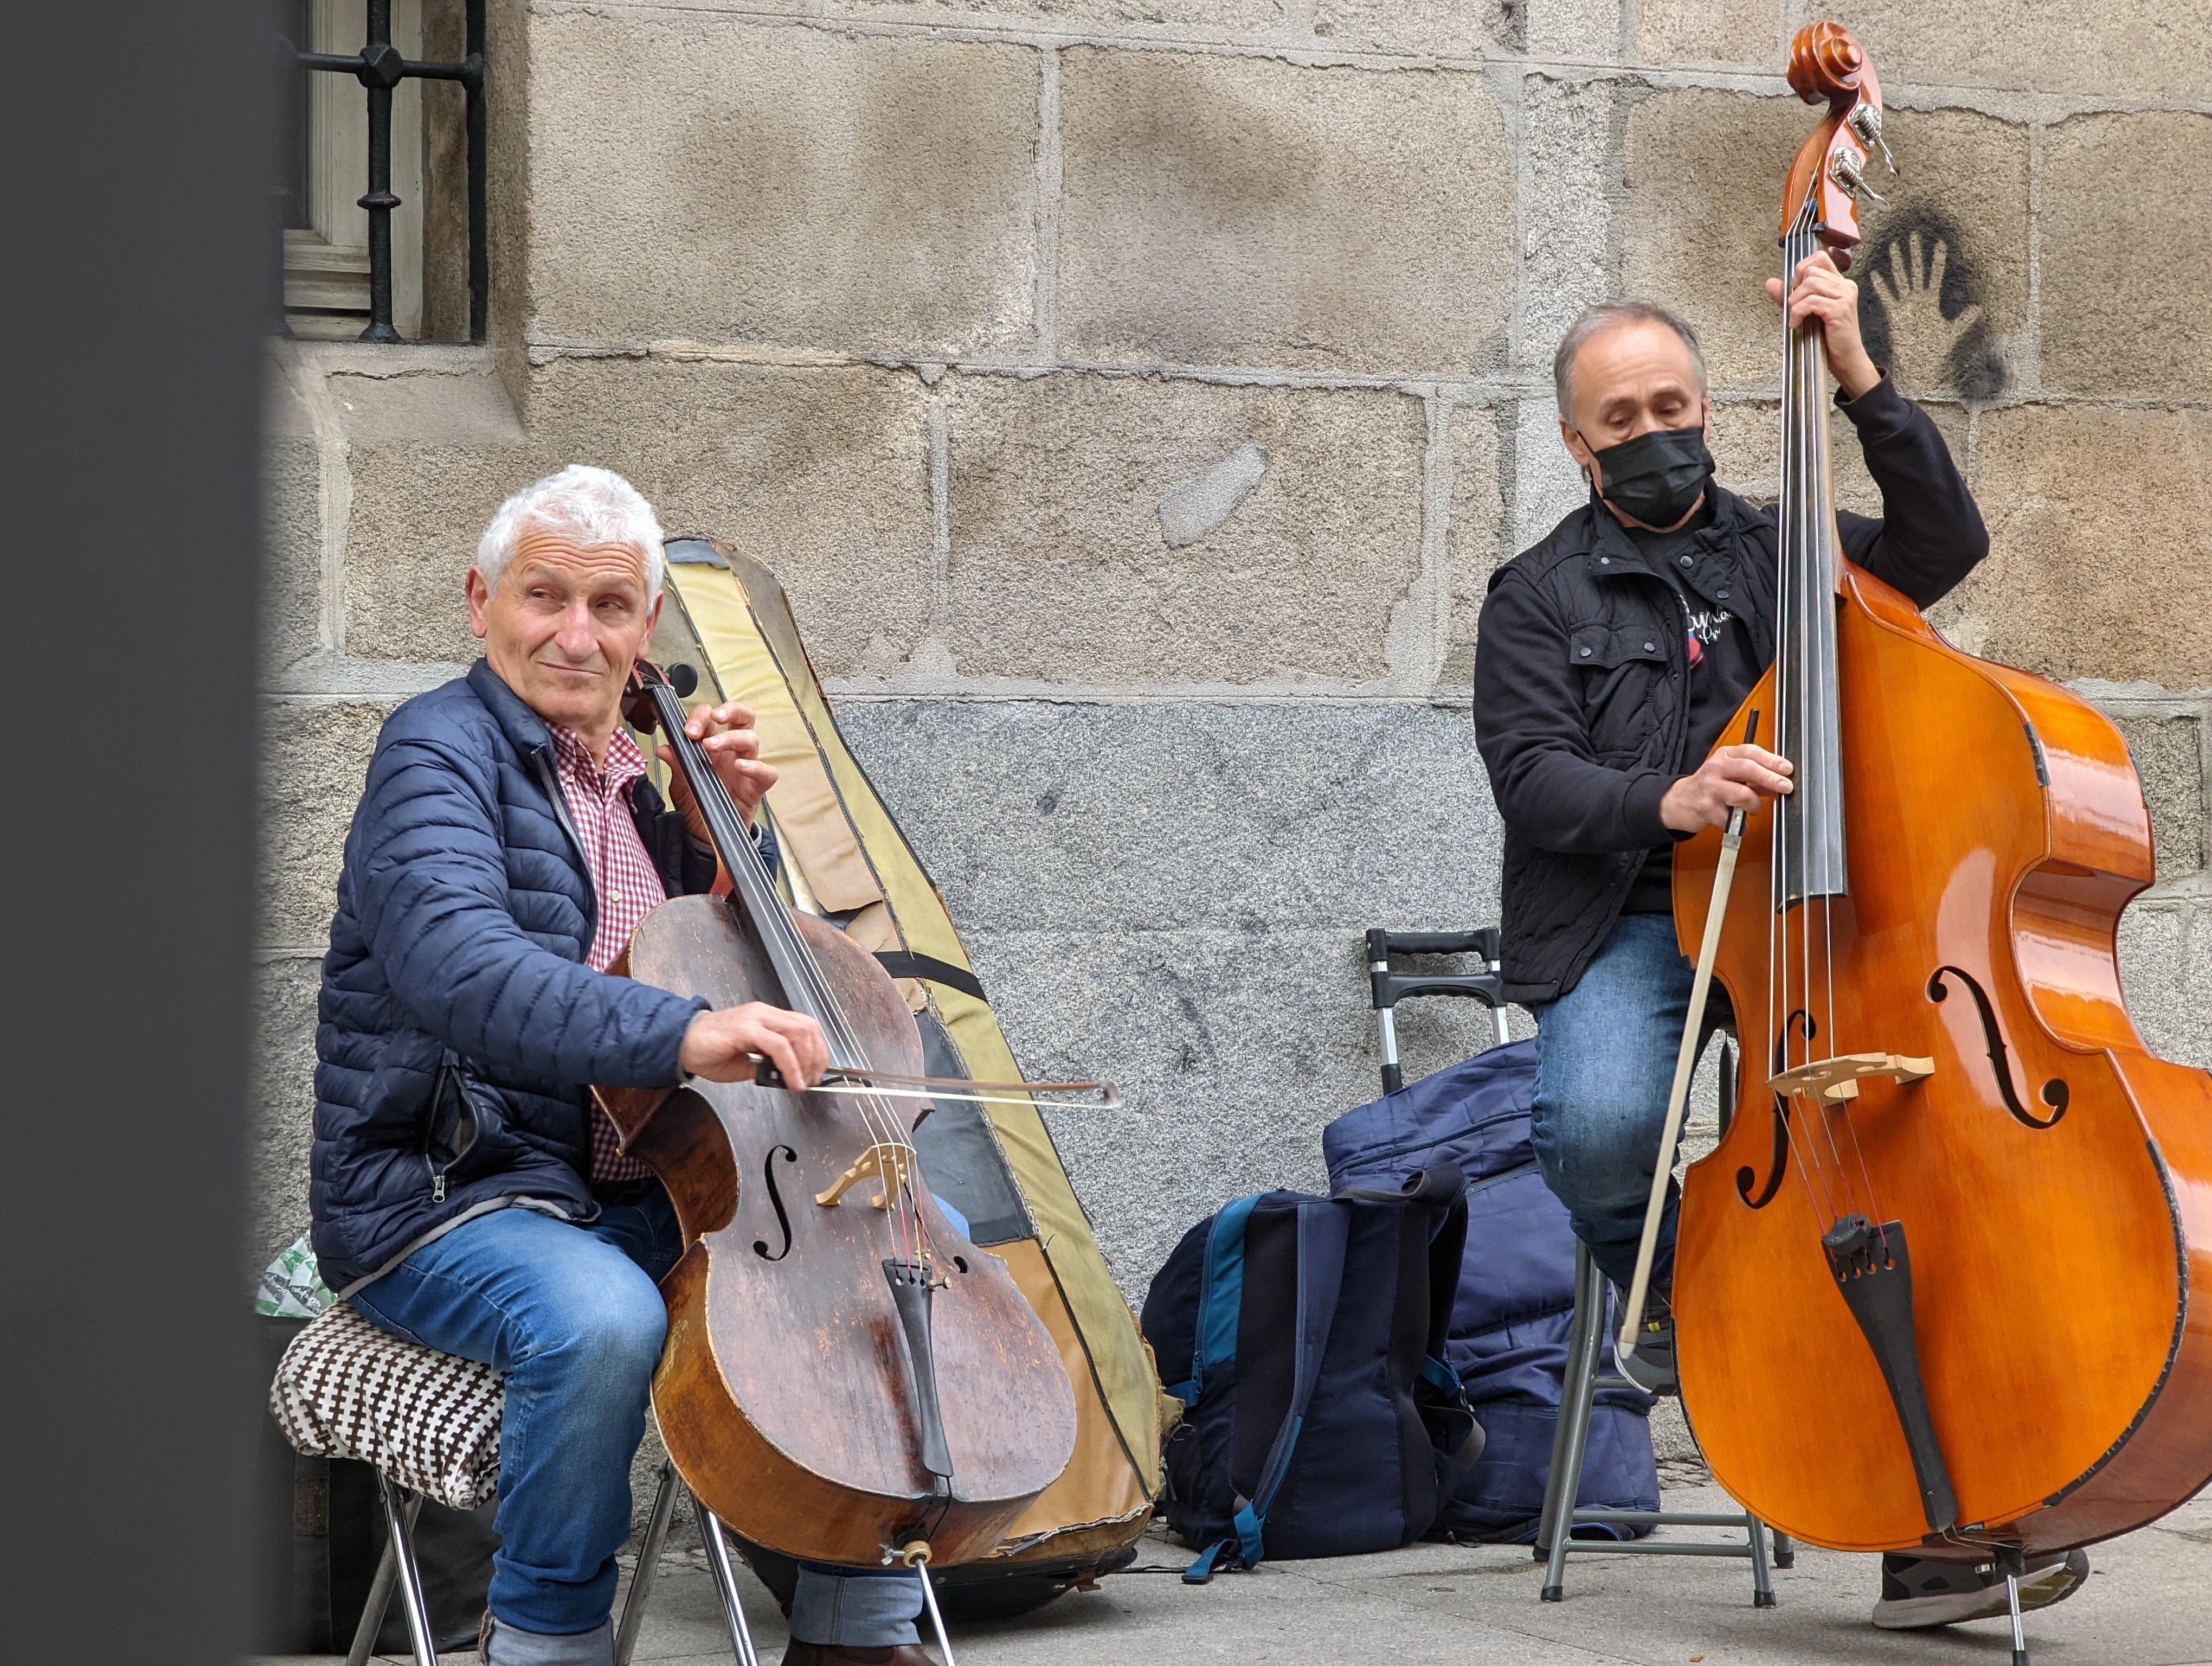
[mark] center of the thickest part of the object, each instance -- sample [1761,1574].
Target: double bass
[1944,1286]
[847,1379]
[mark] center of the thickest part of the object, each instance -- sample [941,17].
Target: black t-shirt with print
[1724,664]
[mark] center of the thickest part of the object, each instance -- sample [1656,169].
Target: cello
[1944,1286]
[847,1379]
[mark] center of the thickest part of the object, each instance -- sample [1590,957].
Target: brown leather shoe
[852,1654]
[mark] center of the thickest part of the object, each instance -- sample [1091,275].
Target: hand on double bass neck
[1818,290]
[1733,778]
[728,1045]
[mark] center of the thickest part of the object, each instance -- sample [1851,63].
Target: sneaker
[1916,1593]
[1651,1366]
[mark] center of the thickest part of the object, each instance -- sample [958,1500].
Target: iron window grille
[380,67]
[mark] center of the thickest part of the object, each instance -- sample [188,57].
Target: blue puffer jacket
[458,1024]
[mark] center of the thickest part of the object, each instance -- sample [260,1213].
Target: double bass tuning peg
[1866,121]
[1848,173]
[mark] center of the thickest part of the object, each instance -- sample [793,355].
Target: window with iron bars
[405,257]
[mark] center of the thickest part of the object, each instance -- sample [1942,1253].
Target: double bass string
[1807,669]
[1796,674]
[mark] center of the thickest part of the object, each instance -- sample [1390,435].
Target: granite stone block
[315,757]
[283,1105]
[2169,760]
[1473,545]
[1224,210]
[2088,576]
[728,179]
[2140,49]
[1063,570]
[821,472]
[1731,32]
[2121,315]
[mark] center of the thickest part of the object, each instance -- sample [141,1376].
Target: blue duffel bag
[1511,1320]
[1303,1335]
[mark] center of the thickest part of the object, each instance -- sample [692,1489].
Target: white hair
[595,506]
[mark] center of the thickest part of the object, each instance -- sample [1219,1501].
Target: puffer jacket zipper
[467,1127]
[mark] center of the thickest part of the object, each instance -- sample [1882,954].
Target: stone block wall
[1135,396]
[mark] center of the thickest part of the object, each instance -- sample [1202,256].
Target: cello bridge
[1832,1081]
[887,1165]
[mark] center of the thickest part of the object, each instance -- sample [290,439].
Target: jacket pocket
[1624,668]
[463,1113]
[1602,645]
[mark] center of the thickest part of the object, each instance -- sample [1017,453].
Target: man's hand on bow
[727,735]
[1733,778]
[723,1046]
[1821,292]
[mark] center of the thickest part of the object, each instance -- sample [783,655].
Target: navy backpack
[1305,1337]
[1510,1323]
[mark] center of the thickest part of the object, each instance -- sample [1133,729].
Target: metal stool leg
[380,1596]
[1580,1392]
[1555,1474]
[1785,1549]
[648,1565]
[1570,1450]
[1762,1584]
[399,1521]
[726,1581]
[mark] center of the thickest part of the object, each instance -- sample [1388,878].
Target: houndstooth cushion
[429,1420]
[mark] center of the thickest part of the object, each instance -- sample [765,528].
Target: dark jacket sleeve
[1550,788]
[1930,534]
[431,894]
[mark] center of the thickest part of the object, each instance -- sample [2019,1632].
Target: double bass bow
[847,1379]
[1945,1284]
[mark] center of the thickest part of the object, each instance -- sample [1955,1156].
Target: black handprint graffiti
[1921,306]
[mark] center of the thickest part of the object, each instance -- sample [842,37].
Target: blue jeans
[1605,1059]
[572,1316]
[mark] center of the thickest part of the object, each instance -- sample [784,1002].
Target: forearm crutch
[1686,1065]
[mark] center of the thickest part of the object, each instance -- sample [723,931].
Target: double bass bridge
[1832,1081]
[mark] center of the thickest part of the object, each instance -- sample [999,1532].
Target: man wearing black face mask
[1609,657]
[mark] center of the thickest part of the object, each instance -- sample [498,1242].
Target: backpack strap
[1220,1299]
[1322,1231]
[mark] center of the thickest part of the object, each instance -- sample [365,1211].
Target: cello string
[892,1153]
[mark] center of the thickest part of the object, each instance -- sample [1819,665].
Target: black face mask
[1656,476]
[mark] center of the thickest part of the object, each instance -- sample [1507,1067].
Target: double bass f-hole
[776,1199]
[1800,1027]
[2054,1092]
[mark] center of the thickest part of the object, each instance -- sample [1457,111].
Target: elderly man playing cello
[1609,657]
[467,1193]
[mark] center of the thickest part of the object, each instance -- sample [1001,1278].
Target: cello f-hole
[775,1198]
[2054,1092]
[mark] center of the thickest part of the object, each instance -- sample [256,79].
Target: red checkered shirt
[623,875]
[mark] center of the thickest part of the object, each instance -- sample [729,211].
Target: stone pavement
[2148,1603]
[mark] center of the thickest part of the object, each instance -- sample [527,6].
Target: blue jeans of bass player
[573,1315]
[1605,1060]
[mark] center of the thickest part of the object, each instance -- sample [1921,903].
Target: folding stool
[1593,1304]
[1592,1301]
[428,1423]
